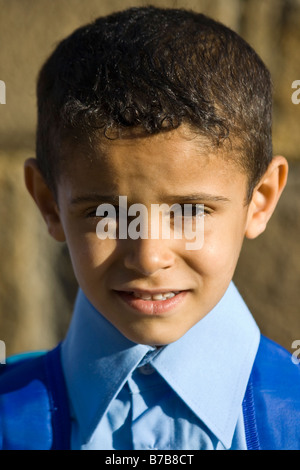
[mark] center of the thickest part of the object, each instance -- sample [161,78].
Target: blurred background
[37,286]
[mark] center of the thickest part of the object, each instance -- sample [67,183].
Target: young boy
[142,109]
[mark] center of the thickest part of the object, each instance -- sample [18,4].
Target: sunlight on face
[154,289]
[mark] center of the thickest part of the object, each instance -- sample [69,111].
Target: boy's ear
[265,196]
[44,199]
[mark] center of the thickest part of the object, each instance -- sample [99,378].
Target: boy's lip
[151,306]
[162,290]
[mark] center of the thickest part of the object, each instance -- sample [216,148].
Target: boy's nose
[147,256]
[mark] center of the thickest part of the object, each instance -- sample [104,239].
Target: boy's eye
[177,210]
[91,213]
[189,210]
[193,210]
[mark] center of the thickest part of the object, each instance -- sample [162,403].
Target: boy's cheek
[215,263]
[88,254]
[214,252]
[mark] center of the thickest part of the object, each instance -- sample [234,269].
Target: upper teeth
[162,296]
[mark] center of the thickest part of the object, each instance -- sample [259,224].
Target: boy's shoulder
[33,403]
[276,366]
[274,388]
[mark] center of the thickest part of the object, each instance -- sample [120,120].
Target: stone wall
[37,286]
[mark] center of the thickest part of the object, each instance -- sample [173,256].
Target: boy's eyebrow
[113,199]
[198,197]
[94,197]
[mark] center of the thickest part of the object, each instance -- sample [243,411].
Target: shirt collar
[213,363]
[97,361]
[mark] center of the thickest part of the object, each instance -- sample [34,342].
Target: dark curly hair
[154,69]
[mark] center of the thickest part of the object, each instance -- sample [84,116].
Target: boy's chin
[153,337]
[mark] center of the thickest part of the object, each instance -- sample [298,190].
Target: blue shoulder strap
[271,405]
[34,410]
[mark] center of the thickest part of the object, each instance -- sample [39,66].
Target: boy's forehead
[170,145]
[119,150]
[177,161]
[176,152]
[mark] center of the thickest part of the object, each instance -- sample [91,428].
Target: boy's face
[165,168]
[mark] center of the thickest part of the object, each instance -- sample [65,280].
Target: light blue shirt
[185,396]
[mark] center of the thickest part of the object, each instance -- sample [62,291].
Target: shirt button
[147,369]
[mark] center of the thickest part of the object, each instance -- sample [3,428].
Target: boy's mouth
[158,296]
[152,302]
